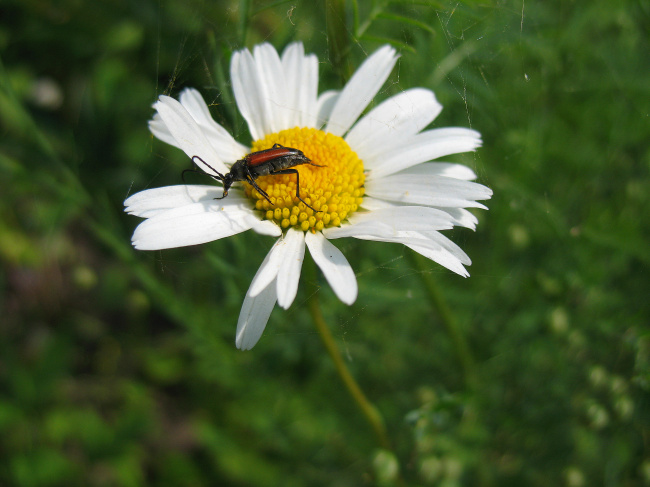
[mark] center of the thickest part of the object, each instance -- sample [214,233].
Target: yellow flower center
[334,190]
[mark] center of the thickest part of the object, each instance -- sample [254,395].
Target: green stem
[242,25]
[369,411]
[448,319]
[338,38]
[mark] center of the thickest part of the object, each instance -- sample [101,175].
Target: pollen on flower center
[334,190]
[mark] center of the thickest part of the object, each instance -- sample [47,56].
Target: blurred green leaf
[118,367]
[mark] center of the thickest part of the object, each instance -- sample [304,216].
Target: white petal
[459,216]
[191,225]
[261,90]
[149,202]
[160,130]
[432,245]
[265,227]
[447,169]
[195,105]
[271,72]
[462,217]
[228,149]
[370,203]
[399,218]
[361,89]
[380,232]
[269,269]
[335,267]
[188,134]
[365,228]
[450,255]
[393,222]
[442,257]
[429,190]
[301,75]
[254,316]
[292,60]
[423,147]
[250,93]
[325,105]
[393,121]
[289,273]
[448,245]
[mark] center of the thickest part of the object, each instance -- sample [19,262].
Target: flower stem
[338,38]
[242,26]
[369,411]
[448,319]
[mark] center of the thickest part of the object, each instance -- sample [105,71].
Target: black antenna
[218,177]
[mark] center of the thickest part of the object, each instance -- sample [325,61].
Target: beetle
[276,160]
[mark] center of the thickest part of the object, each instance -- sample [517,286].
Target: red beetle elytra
[276,160]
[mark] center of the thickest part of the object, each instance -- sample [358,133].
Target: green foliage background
[118,367]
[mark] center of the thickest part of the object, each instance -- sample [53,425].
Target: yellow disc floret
[334,190]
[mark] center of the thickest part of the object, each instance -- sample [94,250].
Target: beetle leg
[294,171]
[252,182]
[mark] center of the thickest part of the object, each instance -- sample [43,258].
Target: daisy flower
[376,181]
